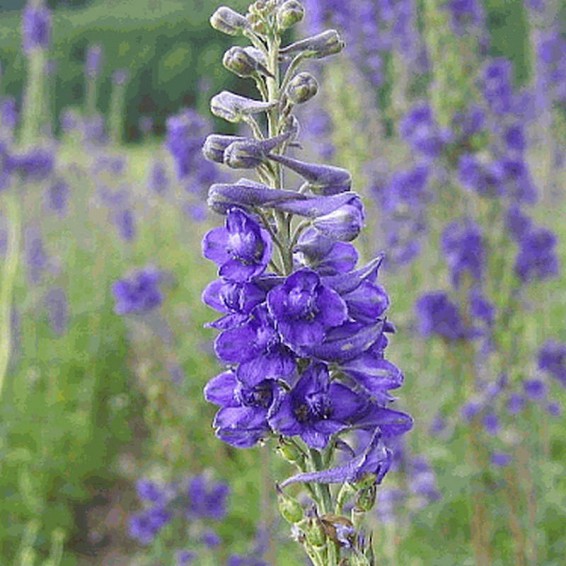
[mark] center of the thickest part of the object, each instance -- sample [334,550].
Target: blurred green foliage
[167,46]
[171,52]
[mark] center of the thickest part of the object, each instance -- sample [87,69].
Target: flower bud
[302,88]
[215,146]
[321,179]
[291,510]
[290,451]
[251,153]
[289,14]
[343,224]
[365,498]
[235,108]
[228,21]
[244,155]
[318,46]
[245,62]
[315,533]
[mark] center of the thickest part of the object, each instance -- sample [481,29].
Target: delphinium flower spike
[302,332]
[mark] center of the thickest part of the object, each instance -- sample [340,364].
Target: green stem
[9,273]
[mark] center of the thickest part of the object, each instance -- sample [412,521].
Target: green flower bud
[290,452]
[302,88]
[289,14]
[365,498]
[291,510]
[228,21]
[245,62]
[366,481]
[318,46]
[315,533]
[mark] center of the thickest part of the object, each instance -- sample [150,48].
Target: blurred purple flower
[138,294]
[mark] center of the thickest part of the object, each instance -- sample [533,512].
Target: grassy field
[86,413]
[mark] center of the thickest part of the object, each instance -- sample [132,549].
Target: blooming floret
[242,249]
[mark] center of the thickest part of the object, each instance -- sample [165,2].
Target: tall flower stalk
[303,331]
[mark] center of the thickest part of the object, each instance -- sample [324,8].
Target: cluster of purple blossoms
[196,499]
[422,133]
[552,360]
[537,258]
[464,252]
[32,165]
[186,133]
[404,198]
[36,26]
[463,248]
[497,405]
[140,293]
[315,341]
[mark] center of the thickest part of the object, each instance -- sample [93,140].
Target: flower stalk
[303,344]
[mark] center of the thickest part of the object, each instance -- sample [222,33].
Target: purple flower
[463,248]
[375,461]
[211,539]
[407,187]
[36,257]
[58,310]
[515,403]
[36,26]
[498,85]
[315,408]
[437,314]
[236,300]
[423,480]
[554,409]
[8,113]
[491,423]
[552,359]
[535,389]
[470,410]
[323,254]
[264,357]
[207,500]
[242,418]
[58,196]
[486,179]
[186,133]
[481,308]
[420,130]
[158,180]
[537,257]
[93,61]
[514,137]
[150,491]
[517,179]
[125,223]
[138,294]
[517,223]
[304,309]
[34,165]
[120,77]
[467,15]
[242,249]
[500,459]
[185,557]
[145,526]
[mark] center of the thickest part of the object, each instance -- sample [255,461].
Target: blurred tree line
[170,51]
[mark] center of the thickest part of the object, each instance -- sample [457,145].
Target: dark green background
[168,48]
